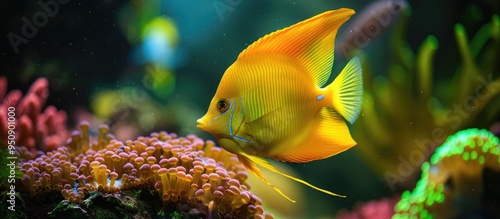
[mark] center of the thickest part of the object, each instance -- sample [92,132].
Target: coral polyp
[182,170]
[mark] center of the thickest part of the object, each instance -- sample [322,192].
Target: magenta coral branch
[36,129]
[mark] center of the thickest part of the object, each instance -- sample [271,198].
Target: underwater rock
[461,179]
[113,205]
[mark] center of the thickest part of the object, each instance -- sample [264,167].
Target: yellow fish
[273,102]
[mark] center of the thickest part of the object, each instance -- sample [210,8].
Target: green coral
[454,174]
[411,110]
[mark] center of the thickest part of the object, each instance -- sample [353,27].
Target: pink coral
[375,209]
[36,128]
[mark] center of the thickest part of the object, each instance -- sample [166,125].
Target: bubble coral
[36,128]
[452,183]
[182,170]
[406,114]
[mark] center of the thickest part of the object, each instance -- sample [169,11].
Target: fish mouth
[201,124]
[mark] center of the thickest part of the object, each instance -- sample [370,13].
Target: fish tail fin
[254,160]
[347,90]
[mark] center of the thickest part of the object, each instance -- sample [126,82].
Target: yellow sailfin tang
[251,162]
[313,49]
[347,90]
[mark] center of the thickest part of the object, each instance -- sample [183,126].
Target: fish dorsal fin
[310,42]
[251,162]
[328,136]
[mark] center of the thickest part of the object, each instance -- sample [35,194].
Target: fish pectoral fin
[275,117]
[252,168]
[254,160]
[269,128]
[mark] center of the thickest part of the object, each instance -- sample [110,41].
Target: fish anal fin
[329,135]
[254,160]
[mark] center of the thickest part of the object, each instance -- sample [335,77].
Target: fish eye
[223,105]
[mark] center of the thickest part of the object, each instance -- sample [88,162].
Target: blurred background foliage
[144,66]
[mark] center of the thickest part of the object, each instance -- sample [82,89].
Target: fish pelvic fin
[310,43]
[254,169]
[254,161]
[347,90]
